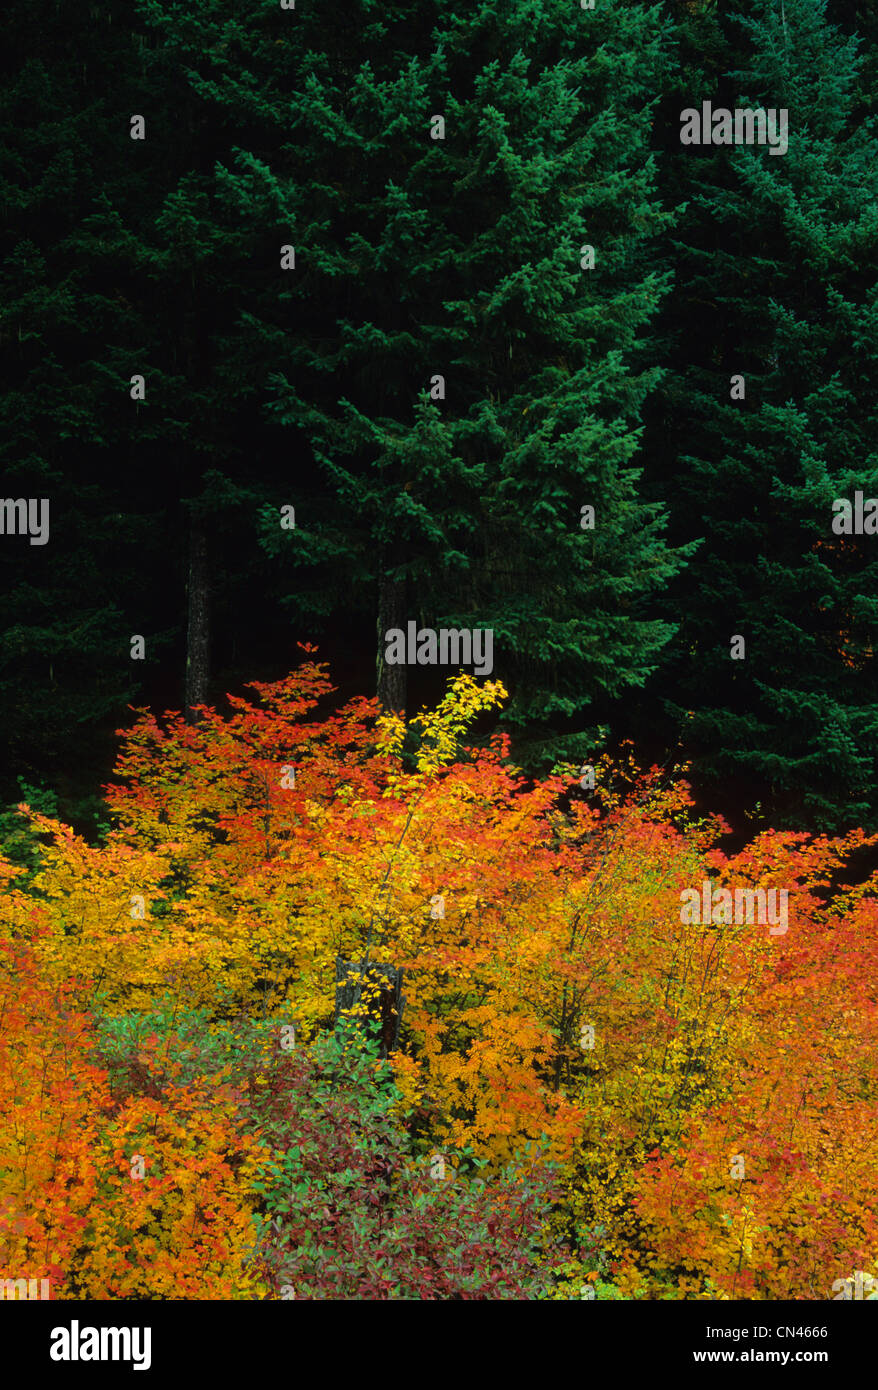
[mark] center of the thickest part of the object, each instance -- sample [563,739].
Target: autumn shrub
[135,1192]
[187,1045]
[351,1212]
[706,1093]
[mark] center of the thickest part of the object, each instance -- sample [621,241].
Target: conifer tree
[776,285]
[126,388]
[459,330]
[69,605]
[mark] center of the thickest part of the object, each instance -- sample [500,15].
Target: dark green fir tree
[768,419]
[69,603]
[459,324]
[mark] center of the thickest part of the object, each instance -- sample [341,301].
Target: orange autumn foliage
[552,992]
[141,1197]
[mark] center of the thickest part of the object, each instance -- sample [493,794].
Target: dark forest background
[459,258]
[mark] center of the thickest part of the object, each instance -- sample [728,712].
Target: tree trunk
[384,995]
[198,631]
[392,680]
